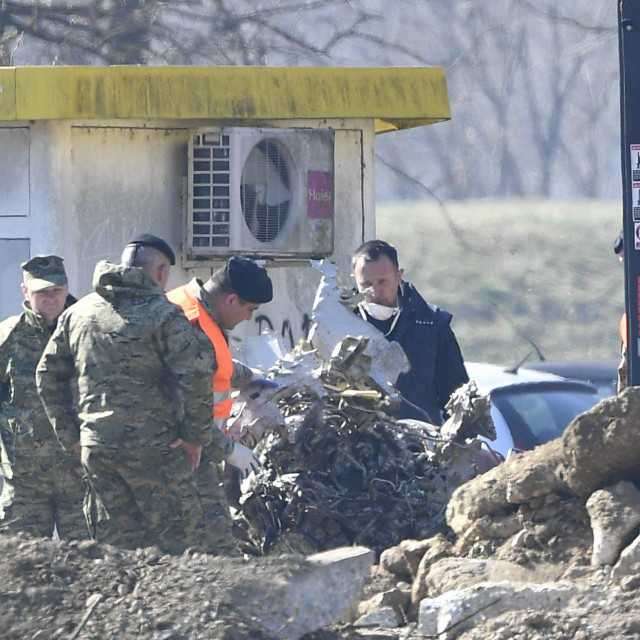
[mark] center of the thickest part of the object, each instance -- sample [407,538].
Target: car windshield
[538,414]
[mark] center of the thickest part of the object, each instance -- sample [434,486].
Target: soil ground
[52,589]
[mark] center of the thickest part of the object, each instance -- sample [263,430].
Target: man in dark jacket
[423,330]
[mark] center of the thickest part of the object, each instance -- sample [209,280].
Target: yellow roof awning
[397,97]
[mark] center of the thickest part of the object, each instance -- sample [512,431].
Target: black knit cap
[149,240]
[249,280]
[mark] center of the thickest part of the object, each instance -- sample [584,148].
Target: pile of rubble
[545,545]
[341,471]
[338,468]
[86,591]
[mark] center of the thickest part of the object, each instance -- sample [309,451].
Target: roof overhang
[396,97]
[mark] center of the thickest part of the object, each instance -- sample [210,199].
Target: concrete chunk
[318,592]
[629,562]
[385,617]
[454,611]
[614,513]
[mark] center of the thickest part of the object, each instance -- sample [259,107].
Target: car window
[503,442]
[537,416]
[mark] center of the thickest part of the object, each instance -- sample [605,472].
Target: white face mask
[379,311]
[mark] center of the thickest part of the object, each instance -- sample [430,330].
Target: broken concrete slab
[614,513]
[439,547]
[385,617]
[452,612]
[521,478]
[451,574]
[322,590]
[600,447]
[403,559]
[629,562]
[396,598]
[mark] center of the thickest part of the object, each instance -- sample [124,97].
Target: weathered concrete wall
[91,186]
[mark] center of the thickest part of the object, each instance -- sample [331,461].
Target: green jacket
[142,379]
[26,438]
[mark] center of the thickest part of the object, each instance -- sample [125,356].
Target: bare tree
[176,32]
[534,96]
[532,83]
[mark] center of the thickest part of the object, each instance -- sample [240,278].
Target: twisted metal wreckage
[338,468]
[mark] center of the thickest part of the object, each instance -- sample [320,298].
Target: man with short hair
[423,330]
[43,485]
[143,409]
[230,296]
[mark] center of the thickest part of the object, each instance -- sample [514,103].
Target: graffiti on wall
[287,331]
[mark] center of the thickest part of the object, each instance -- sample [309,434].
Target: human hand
[243,460]
[194,452]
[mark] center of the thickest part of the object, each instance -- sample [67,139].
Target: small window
[14,177]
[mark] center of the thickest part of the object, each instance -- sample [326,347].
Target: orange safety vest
[222,378]
[623,329]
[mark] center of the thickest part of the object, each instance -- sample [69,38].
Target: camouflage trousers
[216,509]
[145,497]
[49,494]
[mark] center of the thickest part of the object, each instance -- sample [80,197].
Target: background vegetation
[516,271]
[533,84]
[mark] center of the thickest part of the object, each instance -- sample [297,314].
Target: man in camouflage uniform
[43,485]
[229,297]
[144,402]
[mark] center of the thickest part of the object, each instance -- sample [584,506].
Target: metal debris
[334,319]
[339,469]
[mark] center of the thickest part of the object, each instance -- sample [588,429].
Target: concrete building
[91,156]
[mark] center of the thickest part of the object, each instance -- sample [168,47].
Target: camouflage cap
[42,272]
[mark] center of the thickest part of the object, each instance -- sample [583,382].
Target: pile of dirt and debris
[341,471]
[545,545]
[338,469]
[82,590]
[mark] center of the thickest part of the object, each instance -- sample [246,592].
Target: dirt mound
[53,589]
[546,545]
[528,556]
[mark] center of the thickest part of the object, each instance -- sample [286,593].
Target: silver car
[529,407]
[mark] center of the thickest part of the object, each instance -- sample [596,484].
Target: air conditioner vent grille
[210,201]
[265,190]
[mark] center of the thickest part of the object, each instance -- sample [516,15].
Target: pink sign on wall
[320,194]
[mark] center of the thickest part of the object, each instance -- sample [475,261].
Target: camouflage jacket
[25,430]
[142,378]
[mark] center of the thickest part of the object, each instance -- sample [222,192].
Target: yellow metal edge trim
[384,126]
[7,93]
[397,97]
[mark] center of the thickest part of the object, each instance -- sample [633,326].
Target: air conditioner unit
[265,193]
